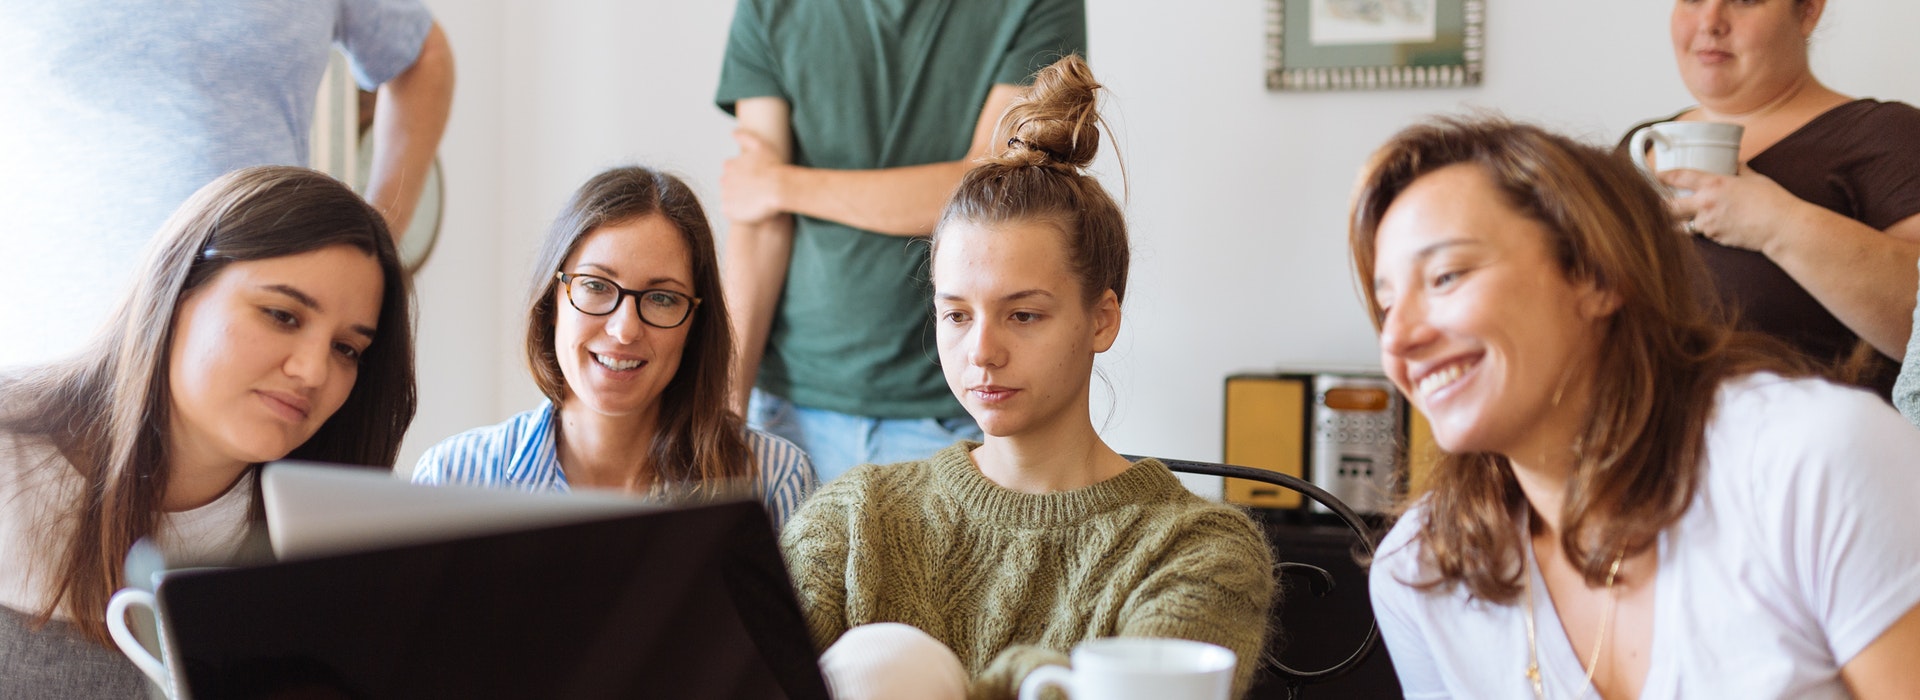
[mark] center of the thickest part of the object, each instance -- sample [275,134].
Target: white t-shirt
[1801,547]
[36,484]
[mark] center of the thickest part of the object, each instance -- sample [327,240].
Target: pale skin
[1468,285]
[1746,64]
[406,131]
[608,416]
[262,355]
[1017,340]
[604,452]
[761,190]
[1465,284]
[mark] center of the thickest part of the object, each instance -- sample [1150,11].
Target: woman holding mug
[628,338]
[270,319]
[1815,241]
[1634,500]
[958,575]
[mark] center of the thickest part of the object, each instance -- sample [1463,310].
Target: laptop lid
[684,603]
[318,509]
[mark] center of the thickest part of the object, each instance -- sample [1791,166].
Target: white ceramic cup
[1710,146]
[157,668]
[1139,668]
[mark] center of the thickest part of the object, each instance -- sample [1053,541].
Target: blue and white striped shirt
[520,453]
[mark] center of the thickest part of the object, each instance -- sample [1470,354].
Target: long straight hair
[106,410]
[1662,357]
[698,438]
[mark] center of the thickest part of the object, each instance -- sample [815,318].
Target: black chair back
[1320,580]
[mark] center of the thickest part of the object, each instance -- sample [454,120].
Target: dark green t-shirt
[877,84]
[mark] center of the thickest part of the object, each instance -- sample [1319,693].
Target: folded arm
[904,201]
[753,267]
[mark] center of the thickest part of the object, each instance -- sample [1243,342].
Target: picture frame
[1374,44]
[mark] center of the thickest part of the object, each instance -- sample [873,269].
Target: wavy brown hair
[1663,354]
[1051,134]
[697,439]
[106,409]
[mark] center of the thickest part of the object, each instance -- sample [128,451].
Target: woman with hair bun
[990,559]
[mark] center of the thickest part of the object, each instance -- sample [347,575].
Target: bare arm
[1885,669]
[1866,278]
[406,130]
[754,265]
[902,201]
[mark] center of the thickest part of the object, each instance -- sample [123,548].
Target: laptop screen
[683,603]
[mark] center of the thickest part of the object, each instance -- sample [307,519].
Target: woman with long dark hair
[627,336]
[270,319]
[1635,500]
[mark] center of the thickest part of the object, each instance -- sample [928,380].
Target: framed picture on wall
[1372,44]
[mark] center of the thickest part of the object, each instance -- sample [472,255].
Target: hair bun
[1056,124]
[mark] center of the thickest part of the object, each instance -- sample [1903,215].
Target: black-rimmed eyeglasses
[598,296]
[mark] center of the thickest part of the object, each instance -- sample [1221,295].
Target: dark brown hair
[698,438]
[106,409]
[1051,134]
[1662,357]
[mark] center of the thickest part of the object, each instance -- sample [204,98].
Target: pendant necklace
[1533,646]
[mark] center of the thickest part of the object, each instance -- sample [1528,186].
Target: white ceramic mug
[1710,146]
[1139,668]
[157,668]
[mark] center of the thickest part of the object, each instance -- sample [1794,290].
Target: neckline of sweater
[1147,480]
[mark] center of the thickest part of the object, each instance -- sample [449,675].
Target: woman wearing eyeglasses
[628,338]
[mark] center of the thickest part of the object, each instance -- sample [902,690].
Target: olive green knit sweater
[1010,581]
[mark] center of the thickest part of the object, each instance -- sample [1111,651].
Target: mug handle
[1637,146]
[123,637]
[1049,675]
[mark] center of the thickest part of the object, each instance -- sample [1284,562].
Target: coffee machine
[1347,432]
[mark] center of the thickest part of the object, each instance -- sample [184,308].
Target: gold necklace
[1593,658]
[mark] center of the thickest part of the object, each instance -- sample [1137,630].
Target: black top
[1860,160]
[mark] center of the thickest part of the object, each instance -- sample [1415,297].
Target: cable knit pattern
[1011,581]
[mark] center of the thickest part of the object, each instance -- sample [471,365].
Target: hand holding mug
[1746,211]
[1709,146]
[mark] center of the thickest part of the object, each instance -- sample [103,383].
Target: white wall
[1238,195]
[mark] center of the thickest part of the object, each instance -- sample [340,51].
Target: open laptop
[682,602]
[317,509]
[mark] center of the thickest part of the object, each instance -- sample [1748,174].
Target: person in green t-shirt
[856,121]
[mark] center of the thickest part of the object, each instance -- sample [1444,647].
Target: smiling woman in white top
[270,319]
[1634,500]
[628,338]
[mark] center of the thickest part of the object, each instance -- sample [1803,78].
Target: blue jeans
[838,441]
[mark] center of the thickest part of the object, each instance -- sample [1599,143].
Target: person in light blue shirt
[628,337]
[117,110]
[1906,391]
